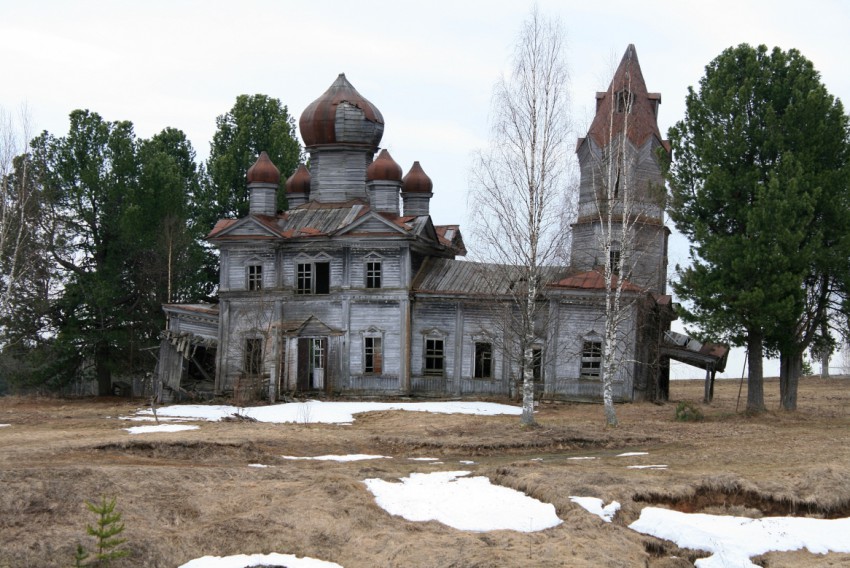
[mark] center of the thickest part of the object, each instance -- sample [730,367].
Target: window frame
[374,273]
[254,276]
[590,367]
[482,360]
[373,350]
[434,358]
[307,277]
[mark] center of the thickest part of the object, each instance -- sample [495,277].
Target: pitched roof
[642,122]
[593,280]
[486,280]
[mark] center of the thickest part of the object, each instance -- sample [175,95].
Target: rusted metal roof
[593,280]
[450,237]
[299,182]
[639,124]
[694,352]
[417,181]
[263,171]
[327,120]
[384,168]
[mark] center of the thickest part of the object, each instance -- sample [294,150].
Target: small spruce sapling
[106,531]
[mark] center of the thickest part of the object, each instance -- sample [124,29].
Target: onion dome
[417,181]
[384,168]
[263,171]
[341,116]
[299,182]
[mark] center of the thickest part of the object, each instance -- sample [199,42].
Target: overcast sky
[428,66]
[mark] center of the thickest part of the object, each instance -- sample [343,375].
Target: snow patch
[595,505]
[653,466]
[348,458]
[630,454]
[159,428]
[734,540]
[464,503]
[4,425]
[423,459]
[582,458]
[314,411]
[247,560]
[260,465]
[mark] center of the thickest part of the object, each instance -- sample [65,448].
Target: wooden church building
[354,290]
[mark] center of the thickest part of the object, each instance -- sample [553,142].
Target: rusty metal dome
[341,116]
[299,182]
[417,181]
[263,171]
[384,168]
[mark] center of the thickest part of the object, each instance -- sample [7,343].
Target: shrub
[687,411]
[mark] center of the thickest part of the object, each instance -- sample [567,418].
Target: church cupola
[383,183]
[298,187]
[341,131]
[417,191]
[263,181]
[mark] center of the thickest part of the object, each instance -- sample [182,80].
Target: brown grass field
[188,494]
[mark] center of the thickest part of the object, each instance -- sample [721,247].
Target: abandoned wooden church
[355,291]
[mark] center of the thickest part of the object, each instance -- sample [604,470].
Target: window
[483,361]
[373,274]
[255,276]
[537,364]
[313,278]
[615,261]
[625,101]
[434,358]
[317,351]
[373,357]
[252,363]
[591,359]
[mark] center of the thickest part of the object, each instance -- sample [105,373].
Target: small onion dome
[341,116]
[299,182]
[384,168]
[417,181]
[263,171]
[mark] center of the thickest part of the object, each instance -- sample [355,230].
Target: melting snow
[630,454]
[595,505]
[733,540]
[159,428]
[4,425]
[246,560]
[654,466]
[348,458]
[329,412]
[464,503]
[582,458]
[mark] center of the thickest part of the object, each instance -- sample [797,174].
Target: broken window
[255,276]
[615,261]
[313,278]
[537,364]
[252,362]
[373,358]
[591,359]
[483,360]
[434,358]
[625,101]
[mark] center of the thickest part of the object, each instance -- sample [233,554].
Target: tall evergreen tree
[254,124]
[758,160]
[109,199]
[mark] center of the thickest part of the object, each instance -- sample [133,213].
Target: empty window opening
[252,362]
[483,361]
[313,278]
[434,358]
[373,358]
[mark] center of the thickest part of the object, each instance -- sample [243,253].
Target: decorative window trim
[254,277]
[307,281]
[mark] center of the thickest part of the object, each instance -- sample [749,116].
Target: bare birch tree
[519,181]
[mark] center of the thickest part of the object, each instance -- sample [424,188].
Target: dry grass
[187,494]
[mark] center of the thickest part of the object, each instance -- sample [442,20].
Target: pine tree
[106,531]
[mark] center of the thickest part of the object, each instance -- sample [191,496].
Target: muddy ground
[188,494]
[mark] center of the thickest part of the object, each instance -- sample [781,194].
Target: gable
[247,227]
[372,223]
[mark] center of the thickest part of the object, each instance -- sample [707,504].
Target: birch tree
[519,181]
